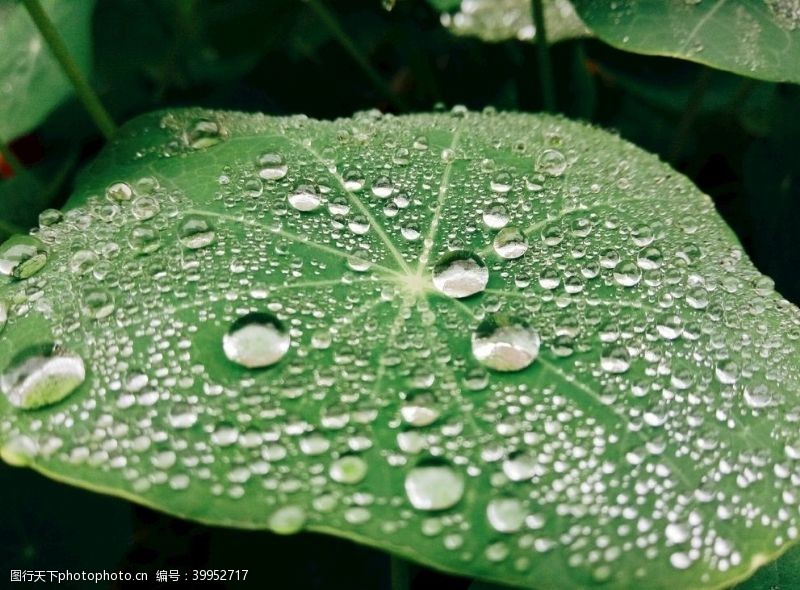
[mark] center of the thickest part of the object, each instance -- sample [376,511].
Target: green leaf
[755,39]
[508,346]
[31,81]
[781,574]
[500,20]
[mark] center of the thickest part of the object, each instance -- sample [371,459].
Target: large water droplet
[271,166]
[287,520]
[509,243]
[256,340]
[41,375]
[203,133]
[433,484]
[506,515]
[196,232]
[349,469]
[305,198]
[551,162]
[505,344]
[22,257]
[460,274]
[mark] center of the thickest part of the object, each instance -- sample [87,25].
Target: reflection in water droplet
[203,133]
[509,243]
[305,198]
[3,314]
[420,409]
[271,166]
[551,162]
[22,257]
[434,484]
[41,375]
[349,469]
[496,216]
[615,359]
[460,274]
[506,515]
[505,344]
[196,232]
[97,303]
[119,191]
[256,340]
[287,520]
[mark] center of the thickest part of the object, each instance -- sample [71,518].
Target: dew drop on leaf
[256,340]
[505,344]
[460,274]
[434,484]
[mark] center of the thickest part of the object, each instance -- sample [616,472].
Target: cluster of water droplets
[496,338]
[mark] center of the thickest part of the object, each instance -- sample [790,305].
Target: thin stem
[400,574]
[85,93]
[543,53]
[693,106]
[330,21]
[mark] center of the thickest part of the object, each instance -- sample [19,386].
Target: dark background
[736,138]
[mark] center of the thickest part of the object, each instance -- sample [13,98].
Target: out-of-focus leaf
[755,38]
[500,20]
[32,83]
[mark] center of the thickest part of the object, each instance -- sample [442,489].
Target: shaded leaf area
[508,346]
[759,39]
[501,20]
[31,81]
[47,526]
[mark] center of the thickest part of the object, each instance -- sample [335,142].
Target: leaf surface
[759,39]
[509,346]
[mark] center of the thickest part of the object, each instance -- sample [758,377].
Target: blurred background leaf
[755,39]
[31,81]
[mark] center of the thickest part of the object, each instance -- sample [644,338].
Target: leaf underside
[759,38]
[651,443]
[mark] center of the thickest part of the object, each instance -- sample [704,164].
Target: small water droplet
[348,469]
[287,520]
[509,243]
[22,257]
[551,162]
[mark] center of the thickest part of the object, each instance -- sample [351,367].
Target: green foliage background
[737,138]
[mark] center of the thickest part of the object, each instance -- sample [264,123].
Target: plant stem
[543,53]
[400,574]
[330,21]
[689,115]
[11,159]
[60,51]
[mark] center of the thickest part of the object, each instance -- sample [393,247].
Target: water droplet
[505,344]
[420,409]
[97,303]
[551,162]
[119,191]
[41,375]
[203,133]
[434,484]
[615,359]
[22,257]
[3,314]
[506,515]
[348,469]
[509,243]
[382,187]
[460,274]
[305,198]
[496,216]
[271,166]
[196,232]
[287,520]
[50,217]
[256,340]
